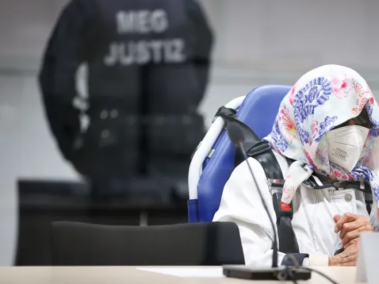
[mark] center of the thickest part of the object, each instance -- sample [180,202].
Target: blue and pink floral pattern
[320,100]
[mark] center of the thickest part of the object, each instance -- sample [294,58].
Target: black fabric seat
[182,244]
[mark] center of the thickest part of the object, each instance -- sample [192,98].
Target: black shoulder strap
[261,151]
[255,147]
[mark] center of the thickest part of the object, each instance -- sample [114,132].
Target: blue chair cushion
[258,111]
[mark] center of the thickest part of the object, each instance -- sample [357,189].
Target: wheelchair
[213,160]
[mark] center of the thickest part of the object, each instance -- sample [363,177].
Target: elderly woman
[328,125]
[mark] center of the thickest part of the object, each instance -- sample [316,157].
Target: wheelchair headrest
[258,110]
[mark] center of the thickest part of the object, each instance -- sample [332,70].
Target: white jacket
[312,219]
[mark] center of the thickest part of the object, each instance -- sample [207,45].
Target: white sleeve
[241,204]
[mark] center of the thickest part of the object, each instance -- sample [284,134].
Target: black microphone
[237,137]
[237,134]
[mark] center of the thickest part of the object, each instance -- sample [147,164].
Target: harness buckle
[281,209]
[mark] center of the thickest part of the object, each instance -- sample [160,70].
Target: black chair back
[214,243]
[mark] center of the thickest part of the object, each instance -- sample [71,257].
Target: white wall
[258,42]
[307,32]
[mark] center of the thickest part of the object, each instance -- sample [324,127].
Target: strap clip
[275,185]
[361,184]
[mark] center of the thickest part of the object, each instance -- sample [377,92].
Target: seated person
[327,125]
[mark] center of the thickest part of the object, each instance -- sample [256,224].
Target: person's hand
[346,258]
[350,226]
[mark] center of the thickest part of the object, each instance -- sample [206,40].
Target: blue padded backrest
[258,111]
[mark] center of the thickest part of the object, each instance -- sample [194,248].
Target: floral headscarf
[321,99]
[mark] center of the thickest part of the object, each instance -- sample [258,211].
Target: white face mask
[345,145]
